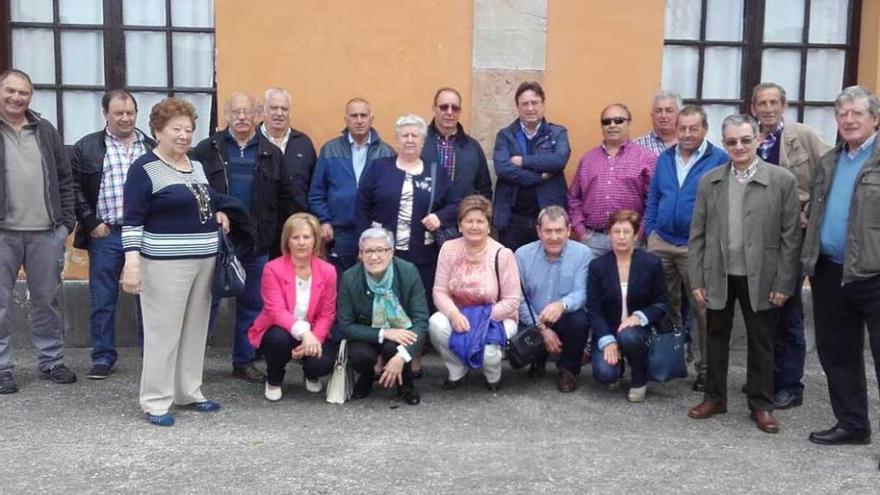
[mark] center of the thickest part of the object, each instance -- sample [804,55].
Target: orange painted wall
[869,46]
[325,52]
[600,52]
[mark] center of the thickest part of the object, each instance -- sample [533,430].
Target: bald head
[241,111]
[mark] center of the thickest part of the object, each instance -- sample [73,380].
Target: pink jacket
[278,290]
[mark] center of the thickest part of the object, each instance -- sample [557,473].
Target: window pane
[721,72]
[31,11]
[44,103]
[824,74]
[784,20]
[145,103]
[39,64]
[81,11]
[822,119]
[82,114]
[790,114]
[77,47]
[784,68]
[192,13]
[724,20]
[145,62]
[193,56]
[682,20]
[143,12]
[716,115]
[680,65]
[828,21]
[202,103]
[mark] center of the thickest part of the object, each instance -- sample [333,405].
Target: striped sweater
[162,218]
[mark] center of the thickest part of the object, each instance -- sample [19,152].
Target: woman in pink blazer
[299,307]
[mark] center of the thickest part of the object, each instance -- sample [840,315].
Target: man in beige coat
[744,245]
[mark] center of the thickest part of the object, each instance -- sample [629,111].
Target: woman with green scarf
[383,312]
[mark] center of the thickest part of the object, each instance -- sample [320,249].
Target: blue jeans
[247,307]
[633,345]
[790,346]
[105,266]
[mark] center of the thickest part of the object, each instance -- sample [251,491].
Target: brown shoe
[707,409]
[566,382]
[765,421]
[249,372]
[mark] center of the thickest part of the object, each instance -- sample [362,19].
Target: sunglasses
[615,120]
[449,106]
[730,143]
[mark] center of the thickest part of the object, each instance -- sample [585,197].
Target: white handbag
[342,380]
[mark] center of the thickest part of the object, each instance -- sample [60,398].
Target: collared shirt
[530,135]
[743,177]
[117,159]
[446,153]
[869,143]
[682,168]
[280,143]
[766,149]
[545,281]
[604,184]
[359,156]
[652,142]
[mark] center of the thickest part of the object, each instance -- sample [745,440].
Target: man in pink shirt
[612,176]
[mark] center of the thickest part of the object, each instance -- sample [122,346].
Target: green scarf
[387,311]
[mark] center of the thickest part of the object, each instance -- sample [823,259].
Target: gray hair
[854,93]
[255,106]
[553,212]
[737,120]
[414,120]
[768,85]
[275,90]
[376,233]
[667,95]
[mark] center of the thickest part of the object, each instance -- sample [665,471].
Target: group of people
[389,247]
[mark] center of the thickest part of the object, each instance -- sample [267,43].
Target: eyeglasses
[445,107]
[746,141]
[615,120]
[375,252]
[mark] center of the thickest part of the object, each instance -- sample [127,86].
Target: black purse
[229,274]
[442,234]
[526,346]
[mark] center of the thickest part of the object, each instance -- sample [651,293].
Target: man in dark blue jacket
[333,191]
[530,157]
[669,210]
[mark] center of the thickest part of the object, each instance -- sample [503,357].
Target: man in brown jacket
[744,244]
[797,148]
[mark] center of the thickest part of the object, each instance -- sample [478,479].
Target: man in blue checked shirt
[553,272]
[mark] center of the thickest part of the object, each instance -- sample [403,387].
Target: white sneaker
[272,393]
[314,386]
[637,394]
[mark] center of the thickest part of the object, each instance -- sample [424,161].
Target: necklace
[168,163]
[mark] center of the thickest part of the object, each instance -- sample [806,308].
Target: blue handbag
[666,356]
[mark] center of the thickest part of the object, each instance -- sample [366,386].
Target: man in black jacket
[241,162]
[99,162]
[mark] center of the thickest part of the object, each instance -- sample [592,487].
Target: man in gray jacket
[35,218]
[744,242]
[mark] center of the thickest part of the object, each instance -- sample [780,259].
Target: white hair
[413,120]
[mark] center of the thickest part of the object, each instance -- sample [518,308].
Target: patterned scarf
[387,311]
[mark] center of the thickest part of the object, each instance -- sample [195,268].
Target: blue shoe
[166,419]
[207,406]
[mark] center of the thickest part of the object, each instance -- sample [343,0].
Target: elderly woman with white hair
[410,198]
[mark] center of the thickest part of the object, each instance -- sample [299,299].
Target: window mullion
[56,39]
[701,57]
[753,36]
[114,45]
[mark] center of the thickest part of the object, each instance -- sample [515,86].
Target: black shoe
[409,394]
[7,383]
[745,389]
[363,386]
[838,435]
[786,399]
[59,374]
[700,383]
[537,370]
[452,384]
[99,371]
[493,386]
[249,372]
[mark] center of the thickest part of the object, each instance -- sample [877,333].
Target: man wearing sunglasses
[744,245]
[450,147]
[613,176]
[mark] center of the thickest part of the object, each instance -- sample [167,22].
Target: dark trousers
[573,330]
[519,232]
[759,333]
[362,357]
[790,346]
[247,307]
[277,345]
[841,313]
[633,345]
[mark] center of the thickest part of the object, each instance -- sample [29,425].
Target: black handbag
[666,356]
[527,346]
[229,274]
[442,234]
